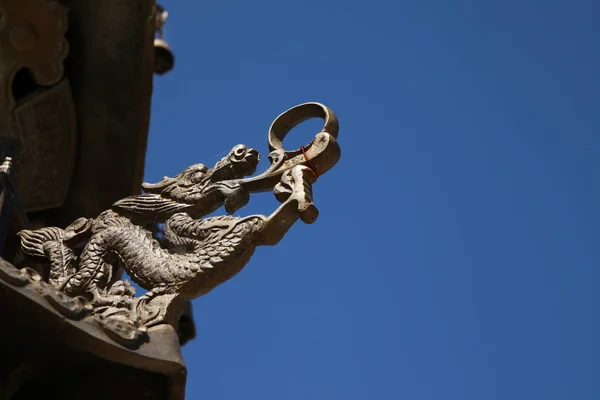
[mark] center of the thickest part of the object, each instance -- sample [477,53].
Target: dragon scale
[205,253]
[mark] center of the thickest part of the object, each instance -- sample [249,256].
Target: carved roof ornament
[32,36]
[196,254]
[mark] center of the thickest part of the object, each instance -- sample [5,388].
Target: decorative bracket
[196,254]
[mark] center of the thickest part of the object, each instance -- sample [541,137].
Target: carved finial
[197,254]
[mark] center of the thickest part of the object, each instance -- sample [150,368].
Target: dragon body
[206,253]
[196,191]
[197,254]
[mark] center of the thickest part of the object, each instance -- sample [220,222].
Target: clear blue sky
[457,253]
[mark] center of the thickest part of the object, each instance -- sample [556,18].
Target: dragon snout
[252,156]
[244,153]
[241,161]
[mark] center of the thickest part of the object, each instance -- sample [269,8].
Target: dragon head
[240,162]
[203,188]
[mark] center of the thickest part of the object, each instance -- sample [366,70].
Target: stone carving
[46,122]
[37,124]
[32,36]
[10,274]
[123,332]
[197,253]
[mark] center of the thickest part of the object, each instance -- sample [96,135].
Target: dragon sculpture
[197,253]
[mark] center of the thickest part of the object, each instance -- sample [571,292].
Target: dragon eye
[240,151]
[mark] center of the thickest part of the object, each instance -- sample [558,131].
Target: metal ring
[285,122]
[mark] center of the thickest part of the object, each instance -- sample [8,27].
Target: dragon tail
[46,245]
[33,241]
